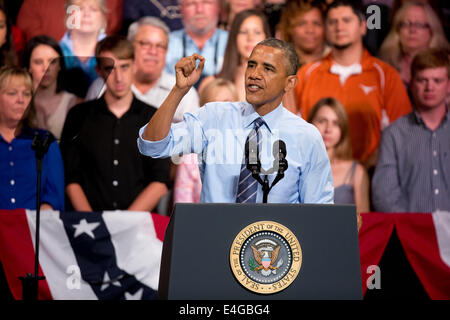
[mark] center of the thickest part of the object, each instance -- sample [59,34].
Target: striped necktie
[248,186]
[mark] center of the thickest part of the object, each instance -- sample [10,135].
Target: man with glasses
[152,83]
[371,90]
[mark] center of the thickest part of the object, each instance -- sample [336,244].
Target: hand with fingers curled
[187,72]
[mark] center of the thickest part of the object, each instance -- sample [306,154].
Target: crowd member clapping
[415,27]
[17,162]
[249,27]
[43,59]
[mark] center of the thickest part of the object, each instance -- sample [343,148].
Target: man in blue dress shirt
[199,35]
[218,131]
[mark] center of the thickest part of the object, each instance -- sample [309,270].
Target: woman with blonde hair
[350,178]
[415,27]
[18,165]
[85,28]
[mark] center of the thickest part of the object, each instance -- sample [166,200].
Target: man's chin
[342,46]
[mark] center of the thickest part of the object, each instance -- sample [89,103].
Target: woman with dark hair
[248,28]
[8,55]
[43,58]
[17,163]
[302,24]
[351,181]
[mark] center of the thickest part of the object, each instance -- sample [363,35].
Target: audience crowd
[93,72]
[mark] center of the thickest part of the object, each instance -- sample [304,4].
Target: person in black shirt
[103,167]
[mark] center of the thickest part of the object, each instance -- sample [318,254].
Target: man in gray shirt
[413,169]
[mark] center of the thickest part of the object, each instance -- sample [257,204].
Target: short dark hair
[52,43]
[430,59]
[120,46]
[292,62]
[356,7]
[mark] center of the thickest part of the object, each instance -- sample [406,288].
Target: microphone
[279,153]
[252,157]
[282,162]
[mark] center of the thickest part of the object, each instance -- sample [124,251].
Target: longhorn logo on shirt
[367,89]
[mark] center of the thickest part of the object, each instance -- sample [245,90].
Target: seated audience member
[415,27]
[18,175]
[79,41]
[351,182]
[413,169]
[166,10]
[248,28]
[371,90]
[200,35]
[8,55]
[38,17]
[104,170]
[302,24]
[43,59]
[231,8]
[188,185]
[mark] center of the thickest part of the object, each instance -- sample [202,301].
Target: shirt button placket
[115,162]
[435,173]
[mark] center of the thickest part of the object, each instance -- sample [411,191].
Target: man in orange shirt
[371,90]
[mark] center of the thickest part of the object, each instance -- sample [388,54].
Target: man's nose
[255,73]
[200,7]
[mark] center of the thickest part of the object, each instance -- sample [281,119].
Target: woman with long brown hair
[8,55]
[350,178]
[249,27]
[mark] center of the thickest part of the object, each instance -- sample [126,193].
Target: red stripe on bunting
[417,235]
[374,235]
[160,222]
[15,238]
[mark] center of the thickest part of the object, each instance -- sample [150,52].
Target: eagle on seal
[266,260]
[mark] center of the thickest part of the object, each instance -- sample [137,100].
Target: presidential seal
[265,257]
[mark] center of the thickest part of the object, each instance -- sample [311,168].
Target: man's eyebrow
[266,64]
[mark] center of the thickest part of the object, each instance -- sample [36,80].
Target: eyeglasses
[415,25]
[160,47]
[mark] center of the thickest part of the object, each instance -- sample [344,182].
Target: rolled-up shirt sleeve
[316,183]
[184,137]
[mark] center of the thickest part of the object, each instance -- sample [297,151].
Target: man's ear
[291,82]
[363,27]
